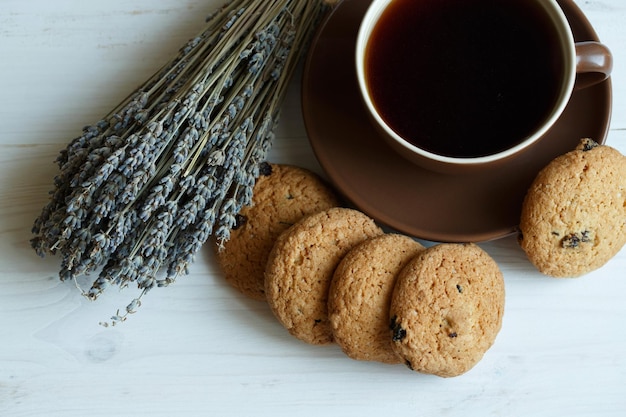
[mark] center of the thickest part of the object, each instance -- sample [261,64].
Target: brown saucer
[401,195]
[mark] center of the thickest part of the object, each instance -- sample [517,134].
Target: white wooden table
[198,348]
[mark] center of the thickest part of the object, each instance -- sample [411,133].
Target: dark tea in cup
[464,78]
[458,84]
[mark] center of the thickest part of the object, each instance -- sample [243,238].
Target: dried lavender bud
[240,220]
[265,169]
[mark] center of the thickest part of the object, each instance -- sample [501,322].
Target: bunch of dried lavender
[143,189]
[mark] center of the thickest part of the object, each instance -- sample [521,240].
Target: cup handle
[594,63]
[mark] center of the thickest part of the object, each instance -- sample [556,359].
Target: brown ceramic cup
[449,148]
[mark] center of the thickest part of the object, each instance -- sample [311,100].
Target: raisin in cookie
[283,194]
[446,309]
[360,296]
[573,217]
[301,266]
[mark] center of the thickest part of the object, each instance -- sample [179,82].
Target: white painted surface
[199,348]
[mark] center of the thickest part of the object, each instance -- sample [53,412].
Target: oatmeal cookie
[446,309]
[573,218]
[360,296]
[283,194]
[301,266]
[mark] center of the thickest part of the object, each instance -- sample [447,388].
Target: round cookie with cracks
[360,296]
[447,309]
[283,195]
[573,218]
[301,266]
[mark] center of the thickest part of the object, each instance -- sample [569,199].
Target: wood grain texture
[198,348]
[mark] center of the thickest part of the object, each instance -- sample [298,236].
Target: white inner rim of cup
[559,19]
